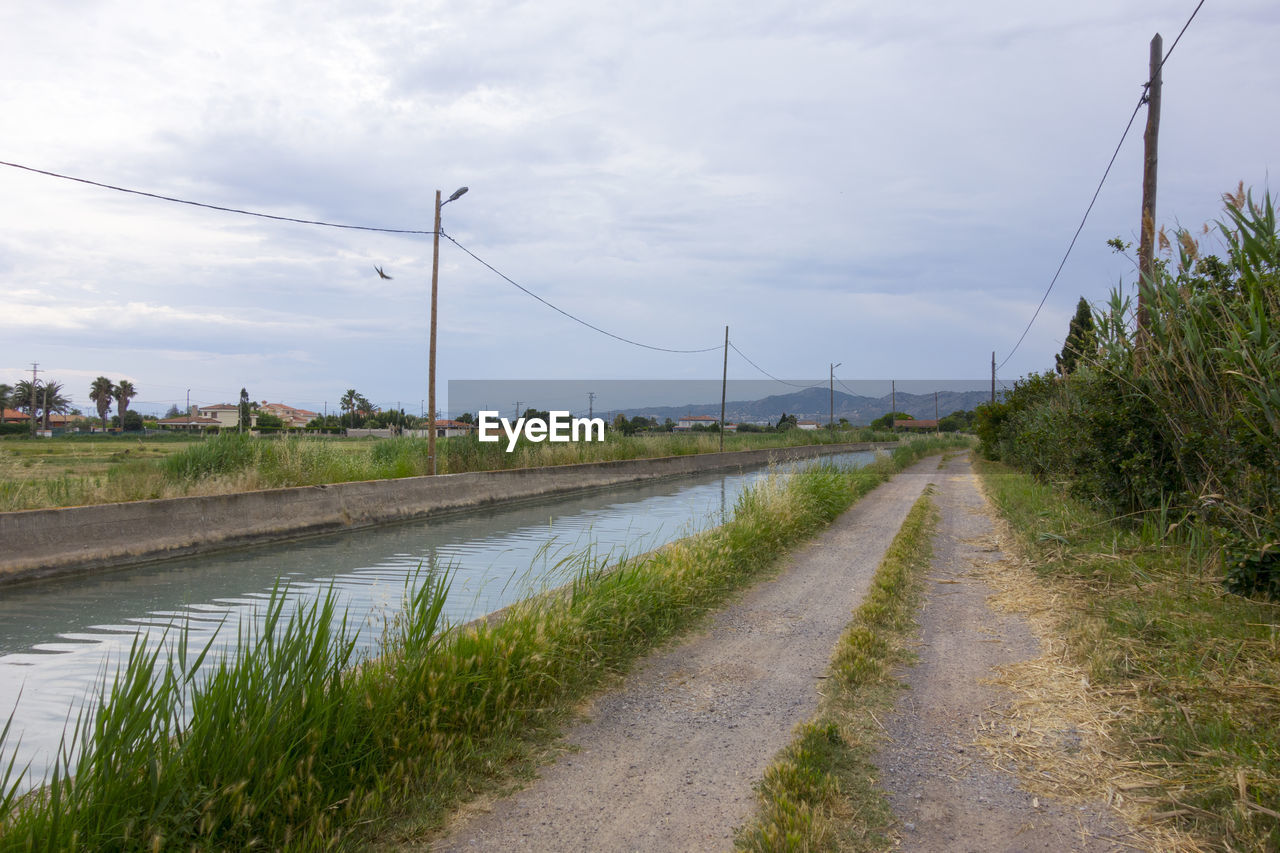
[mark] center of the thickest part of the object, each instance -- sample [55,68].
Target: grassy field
[292,743]
[1181,677]
[79,470]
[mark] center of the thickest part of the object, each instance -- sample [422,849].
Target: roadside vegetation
[292,742]
[72,471]
[1142,479]
[1187,674]
[1180,419]
[820,794]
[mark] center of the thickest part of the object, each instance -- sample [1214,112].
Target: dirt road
[945,791]
[667,762]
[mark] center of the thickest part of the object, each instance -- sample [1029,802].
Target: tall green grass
[233,462]
[292,742]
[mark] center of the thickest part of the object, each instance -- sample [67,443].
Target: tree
[6,391]
[786,422]
[266,420]
[466,418]
[886,420]
[102,392]
[246,411]
[123,394]
[131,422]
[1080,340]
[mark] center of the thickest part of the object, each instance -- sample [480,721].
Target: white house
[225,414]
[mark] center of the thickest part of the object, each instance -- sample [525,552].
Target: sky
[886,186]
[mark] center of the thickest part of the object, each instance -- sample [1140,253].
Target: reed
[293,741]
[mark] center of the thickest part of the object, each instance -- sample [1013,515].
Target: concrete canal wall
[44,543]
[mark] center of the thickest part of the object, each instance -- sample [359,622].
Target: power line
[1142,100]
[211,206]
[734,347]
[556,308]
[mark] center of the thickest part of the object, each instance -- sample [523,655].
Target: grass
[820,794]
[1186,675]
[293,743]
[79,470]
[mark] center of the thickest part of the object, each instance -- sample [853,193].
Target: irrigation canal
[58,638]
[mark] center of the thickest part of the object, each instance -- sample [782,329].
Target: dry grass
[1110,713]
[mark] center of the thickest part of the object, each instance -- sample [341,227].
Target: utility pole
[1150,139]
[993,377]
[893,403]
[591,404]
[431,357]
[34,370]
[518,402]
[936,428]
[831,390]
[724,384]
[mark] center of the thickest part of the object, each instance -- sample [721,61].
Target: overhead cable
[560,310]
[734,347]
[1142,100]
[212,206]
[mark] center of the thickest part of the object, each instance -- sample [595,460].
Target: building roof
[455,424]
[223,406]
[190,420]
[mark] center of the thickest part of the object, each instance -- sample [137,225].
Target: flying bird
[381,274]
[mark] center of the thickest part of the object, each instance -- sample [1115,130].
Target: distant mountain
[814,404]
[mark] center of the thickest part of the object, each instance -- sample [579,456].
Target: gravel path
[943,788]
[667,762]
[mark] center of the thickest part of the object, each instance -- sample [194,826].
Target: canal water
[59,638]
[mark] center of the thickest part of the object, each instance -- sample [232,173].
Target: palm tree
[52,400]
[101,392]
[124,393]
[349,401]
[23,398]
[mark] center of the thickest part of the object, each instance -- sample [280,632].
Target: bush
[1185,418]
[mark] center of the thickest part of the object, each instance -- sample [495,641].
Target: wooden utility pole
[431,358]
[831,387]
[1150,139]
[724,384]
[993,377]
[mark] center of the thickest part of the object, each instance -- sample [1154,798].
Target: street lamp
[831,420]
[431,358]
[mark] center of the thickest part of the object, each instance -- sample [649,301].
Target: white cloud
[828,179]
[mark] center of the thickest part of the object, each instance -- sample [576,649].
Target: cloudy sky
[886,185]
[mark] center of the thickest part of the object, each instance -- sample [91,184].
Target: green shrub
[1184,417]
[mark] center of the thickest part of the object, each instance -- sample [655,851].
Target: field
[80,470]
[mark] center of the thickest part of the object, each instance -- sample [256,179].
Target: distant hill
[814,404]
